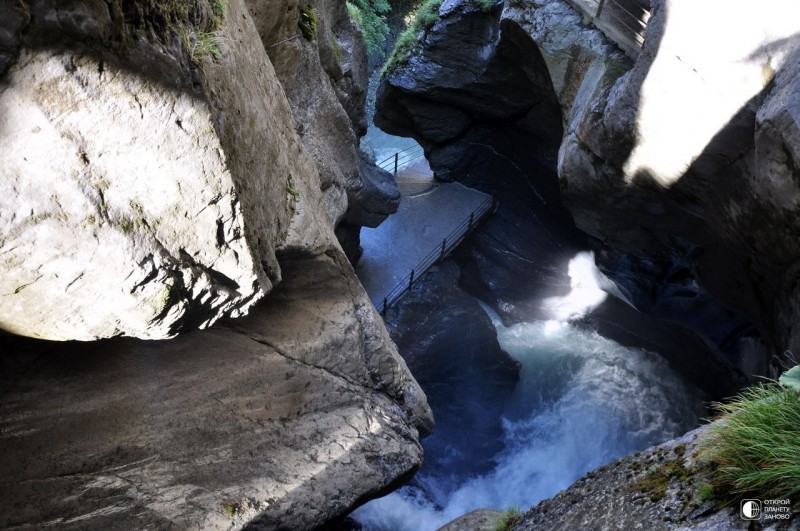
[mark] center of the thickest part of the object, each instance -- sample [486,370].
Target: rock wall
[676,219]
[153,182]
[510,148]
[154,128]
[678,168]
[659,488]
[325,79]
[158,214]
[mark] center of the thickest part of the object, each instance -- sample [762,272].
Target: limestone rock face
[153,181]
[166,179]
[280,420]
[325,80]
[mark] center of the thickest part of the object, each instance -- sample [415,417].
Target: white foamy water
[582,401]
[588,289]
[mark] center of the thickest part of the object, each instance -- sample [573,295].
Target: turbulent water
[582,401]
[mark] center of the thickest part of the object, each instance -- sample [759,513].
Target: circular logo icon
[750,509]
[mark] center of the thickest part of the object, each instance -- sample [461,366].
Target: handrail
[402,158]
[609,20]
[439,253]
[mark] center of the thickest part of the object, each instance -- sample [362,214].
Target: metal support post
[600,8]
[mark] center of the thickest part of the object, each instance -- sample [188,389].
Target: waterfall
[582,401]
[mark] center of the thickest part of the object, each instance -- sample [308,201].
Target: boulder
[477,520]
[376,199]
[167,172]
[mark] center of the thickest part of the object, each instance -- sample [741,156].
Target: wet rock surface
[656,489]
[520,256]
[451,347]
[703,214]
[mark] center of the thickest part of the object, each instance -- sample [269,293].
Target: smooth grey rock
[376,199]
[248,423]
[166,180]
[450,344]
[325,81]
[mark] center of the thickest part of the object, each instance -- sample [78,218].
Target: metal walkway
[433,218]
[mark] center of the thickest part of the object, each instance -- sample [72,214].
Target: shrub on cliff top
[421,19]
[755,445]
[369,15]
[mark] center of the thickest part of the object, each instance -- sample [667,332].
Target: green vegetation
[201,44]
[204,42]
[231,509]
[369,15]
[218,9]
[755,445]
[308,21]
[705,492]
[510,517]
[422,18]
[659,477]
[485,5]
[292,189]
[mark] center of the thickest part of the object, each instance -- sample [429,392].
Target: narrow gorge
[186,342]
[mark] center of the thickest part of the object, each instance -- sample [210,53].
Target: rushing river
[582,400]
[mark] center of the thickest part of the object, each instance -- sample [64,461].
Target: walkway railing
[623,21]
[402,158]
[438,254]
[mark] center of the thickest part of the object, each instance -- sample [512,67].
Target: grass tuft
[201,44]
[705,492]
[510,517]
[421,20]
[755,445]
[218,9]
[204,41]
